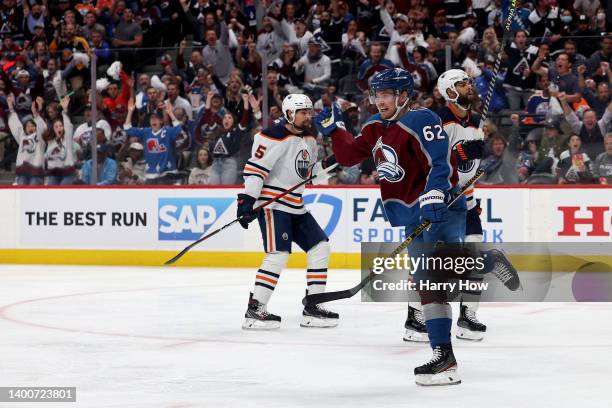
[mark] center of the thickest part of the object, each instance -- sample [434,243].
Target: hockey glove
[469,150]
[328,120]
[433,207]
[328,161]
[245,210]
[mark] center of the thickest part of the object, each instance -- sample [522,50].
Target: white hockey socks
[317,260]
[268,274]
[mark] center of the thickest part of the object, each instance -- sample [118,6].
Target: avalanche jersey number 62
[429,135]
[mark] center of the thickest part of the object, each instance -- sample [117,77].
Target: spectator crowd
[181,89]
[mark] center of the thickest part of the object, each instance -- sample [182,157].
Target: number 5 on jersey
[259,153]
[428,133]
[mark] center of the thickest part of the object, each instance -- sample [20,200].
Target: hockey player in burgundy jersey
[417,175]
[282,156]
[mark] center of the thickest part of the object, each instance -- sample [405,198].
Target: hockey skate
[503,269]
[468,326]
[317,316]
[258,318]
[440,370]
[415,326]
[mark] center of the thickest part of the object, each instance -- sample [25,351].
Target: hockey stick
[485,110]
[259,207]
[315,299]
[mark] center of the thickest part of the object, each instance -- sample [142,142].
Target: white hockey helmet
[294,102]
[448,80]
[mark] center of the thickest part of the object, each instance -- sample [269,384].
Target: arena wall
[147,226]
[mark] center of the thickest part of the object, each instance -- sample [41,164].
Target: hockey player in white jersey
[466,140]
[282,156]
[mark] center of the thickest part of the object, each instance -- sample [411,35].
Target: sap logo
[186,219]
[597,221]
[336,209]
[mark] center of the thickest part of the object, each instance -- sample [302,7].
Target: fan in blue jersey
[159,144]
[417,175]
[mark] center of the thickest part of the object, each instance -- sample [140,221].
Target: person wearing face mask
[545,22]
[566,22]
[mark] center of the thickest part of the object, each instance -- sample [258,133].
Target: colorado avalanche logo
[302,163]
[29,143]
[57,153]
[386,160]
[153,146]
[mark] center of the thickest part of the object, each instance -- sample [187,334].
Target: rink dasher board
[138,226]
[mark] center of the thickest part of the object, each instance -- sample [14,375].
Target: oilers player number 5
[428,133]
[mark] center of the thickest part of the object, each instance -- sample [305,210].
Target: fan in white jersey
[467,141]
[282,156]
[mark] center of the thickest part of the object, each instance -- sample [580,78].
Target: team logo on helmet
[386,161]
[302,163]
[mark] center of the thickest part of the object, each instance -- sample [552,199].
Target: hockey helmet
[448,80]
[293,103]
[395,79]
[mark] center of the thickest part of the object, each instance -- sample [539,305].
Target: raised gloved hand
[245,210]
[328,120]
[433,207]
[469,150]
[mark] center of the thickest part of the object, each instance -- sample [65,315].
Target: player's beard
[303,128]
[465,101]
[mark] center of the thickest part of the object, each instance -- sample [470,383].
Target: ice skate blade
[415,336]
[465,334]
[310,321]
[254,324]
[448,377]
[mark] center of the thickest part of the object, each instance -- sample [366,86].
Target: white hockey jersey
[460,130]
[279,160]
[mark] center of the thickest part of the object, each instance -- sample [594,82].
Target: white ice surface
[171,338]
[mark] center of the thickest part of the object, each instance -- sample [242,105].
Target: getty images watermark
[442,264]
[502,272]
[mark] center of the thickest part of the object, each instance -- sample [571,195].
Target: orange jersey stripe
[287,198]
[468,192]
[270,232]
[265,278]
[316,276]
[254,170]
